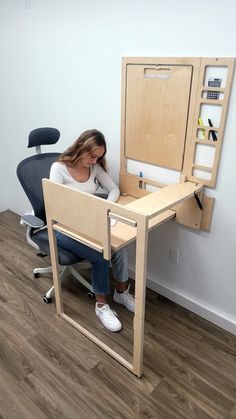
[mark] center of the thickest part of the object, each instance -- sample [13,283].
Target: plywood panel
[214,109]
[157,202]
[157,102]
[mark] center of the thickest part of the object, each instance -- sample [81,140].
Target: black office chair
[30,173]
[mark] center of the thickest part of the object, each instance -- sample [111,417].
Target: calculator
[214,82]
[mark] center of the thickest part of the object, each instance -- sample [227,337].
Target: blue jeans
[99,265]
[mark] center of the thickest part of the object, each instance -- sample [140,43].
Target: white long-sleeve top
[98,177]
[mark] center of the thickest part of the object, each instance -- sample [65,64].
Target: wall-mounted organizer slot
[173,118]
[210,113]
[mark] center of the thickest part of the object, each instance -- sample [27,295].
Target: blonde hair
[88,141]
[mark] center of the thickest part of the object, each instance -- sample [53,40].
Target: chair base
[64,270]
[40,271]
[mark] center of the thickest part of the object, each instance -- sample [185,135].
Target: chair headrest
[43,136]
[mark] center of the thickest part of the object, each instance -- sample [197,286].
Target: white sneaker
[125,299]
[108,317]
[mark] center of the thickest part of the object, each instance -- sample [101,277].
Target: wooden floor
[49,370]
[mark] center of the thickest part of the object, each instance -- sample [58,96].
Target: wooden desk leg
[140,293]
[55,269]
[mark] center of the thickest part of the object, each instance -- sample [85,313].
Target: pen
[214,136]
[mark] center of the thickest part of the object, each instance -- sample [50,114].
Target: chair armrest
[32,221]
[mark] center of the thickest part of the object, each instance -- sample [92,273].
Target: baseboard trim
[209,313]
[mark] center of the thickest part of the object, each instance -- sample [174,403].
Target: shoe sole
[110,329]
[127,308]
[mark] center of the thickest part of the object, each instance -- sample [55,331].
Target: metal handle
[122,219]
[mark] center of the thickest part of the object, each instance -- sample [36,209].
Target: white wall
[60,66]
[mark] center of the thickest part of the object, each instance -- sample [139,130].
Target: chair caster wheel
[90,294]
[37,275]
[41,254]
[47,300]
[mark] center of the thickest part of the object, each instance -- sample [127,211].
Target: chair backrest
[32,170]
[30,173]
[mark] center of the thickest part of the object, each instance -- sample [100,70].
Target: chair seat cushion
[65,257]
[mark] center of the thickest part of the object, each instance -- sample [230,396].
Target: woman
[82,166]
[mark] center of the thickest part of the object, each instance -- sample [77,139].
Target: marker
[202,130]
[214,136]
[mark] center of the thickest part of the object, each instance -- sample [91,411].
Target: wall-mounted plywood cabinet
[173,118]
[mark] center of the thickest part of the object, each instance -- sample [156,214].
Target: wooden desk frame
[66,211]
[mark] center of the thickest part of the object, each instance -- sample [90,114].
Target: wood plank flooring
[49,370]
